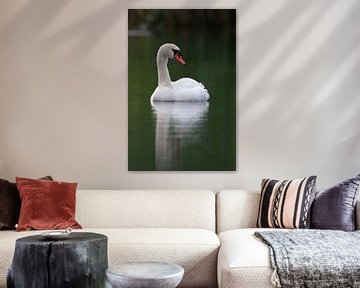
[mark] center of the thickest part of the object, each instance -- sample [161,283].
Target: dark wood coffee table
[79,260]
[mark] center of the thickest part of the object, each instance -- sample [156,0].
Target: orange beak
[179,58]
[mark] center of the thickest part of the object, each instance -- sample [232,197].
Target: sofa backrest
[146,209]
[236,209]
[239,209]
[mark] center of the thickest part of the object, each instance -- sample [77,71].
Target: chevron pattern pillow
[286,203]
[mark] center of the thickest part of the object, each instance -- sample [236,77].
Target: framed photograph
[181,89]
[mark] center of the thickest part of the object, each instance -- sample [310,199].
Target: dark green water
[173,136]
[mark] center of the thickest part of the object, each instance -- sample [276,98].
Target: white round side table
[145,275]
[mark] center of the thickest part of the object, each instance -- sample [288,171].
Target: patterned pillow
[286,204]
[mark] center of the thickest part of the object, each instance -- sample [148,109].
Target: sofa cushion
[46,204]
[153,209]
[236,209]
[194,249]
[286,204]
[334,208]
[244,261]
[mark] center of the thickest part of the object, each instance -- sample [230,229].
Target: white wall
[63,92]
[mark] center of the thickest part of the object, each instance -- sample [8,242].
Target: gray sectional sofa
[210,235]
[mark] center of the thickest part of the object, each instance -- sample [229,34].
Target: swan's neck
[163,72]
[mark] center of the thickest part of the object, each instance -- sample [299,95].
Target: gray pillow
[334,208]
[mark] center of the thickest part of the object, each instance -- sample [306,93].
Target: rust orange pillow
[46,204]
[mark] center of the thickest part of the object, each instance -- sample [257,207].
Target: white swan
[184,89]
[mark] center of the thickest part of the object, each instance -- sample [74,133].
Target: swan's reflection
[178,124]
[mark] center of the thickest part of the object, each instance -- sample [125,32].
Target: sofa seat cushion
[194,249]
[244,261]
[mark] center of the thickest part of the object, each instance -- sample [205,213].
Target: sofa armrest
[357,215]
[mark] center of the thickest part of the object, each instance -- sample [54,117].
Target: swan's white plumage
[184,89]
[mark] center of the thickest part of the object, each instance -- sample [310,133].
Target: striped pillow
[286,204]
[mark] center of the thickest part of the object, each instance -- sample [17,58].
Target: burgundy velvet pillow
[46,204]
[334,208]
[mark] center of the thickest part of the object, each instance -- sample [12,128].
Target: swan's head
[171,51]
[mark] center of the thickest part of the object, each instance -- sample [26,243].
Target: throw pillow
[334,208]
[10,204]
[286,204]
[46,204]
